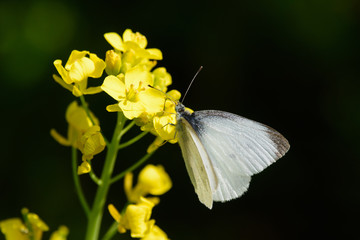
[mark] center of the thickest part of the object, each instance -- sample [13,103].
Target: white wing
[237,148]
[197,163]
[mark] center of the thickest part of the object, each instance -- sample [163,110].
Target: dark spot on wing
[194,122]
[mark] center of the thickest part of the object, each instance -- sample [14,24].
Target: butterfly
[223,150]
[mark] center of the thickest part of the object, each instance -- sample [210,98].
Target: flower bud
[113,62]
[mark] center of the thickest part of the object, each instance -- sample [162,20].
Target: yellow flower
[133,41]
[113,62]
[136,218]
[133,93]
[162,79]
[82,134]
[60,234]
[92,143]
[164,122]
[78,68]
[155,234]
[15,229]
[151,180]
[132,48]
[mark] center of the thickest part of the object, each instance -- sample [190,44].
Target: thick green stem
[96,214]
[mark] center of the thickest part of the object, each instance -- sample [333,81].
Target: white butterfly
[223,150]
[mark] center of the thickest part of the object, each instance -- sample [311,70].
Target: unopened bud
[113,62]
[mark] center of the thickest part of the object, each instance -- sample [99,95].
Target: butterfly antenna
[198,71]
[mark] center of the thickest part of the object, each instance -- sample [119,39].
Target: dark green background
[293,65]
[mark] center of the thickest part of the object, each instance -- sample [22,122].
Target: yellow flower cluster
[83,134]
[140,91]
[31,228]
[137,215]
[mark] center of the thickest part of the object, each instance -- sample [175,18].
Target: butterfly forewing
[197,162]
[237,148]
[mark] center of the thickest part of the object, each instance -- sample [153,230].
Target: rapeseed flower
[135,42]
[31,228]
[133,93]
[137,220]
[80,66]
[137,215]
[60,234]
[151,180]
[82,134]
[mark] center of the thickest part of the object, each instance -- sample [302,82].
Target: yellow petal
[131,110]
[153,100]
[175,95]
[162,78]
[165,126]
[154,53]
[138,76]
[128,186]
[114,212]
[138,219]
[113,108]
[115,40]
[114,87]
[14,229]
[35,220]
[154,179]
[63,72]
[60,81]
[93,141]
[60,234]
[85,167]
[155,233]
[99,66]
[77,117]
[75,56]
[59,138]
[81,69]
[137,37]
[92,90]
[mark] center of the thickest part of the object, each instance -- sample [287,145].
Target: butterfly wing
[237,148]
[197,162]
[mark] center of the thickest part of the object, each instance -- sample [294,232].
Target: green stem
[95,217]
[127,128]
[94,177]
[111,231]
[133,140]
[78,188]
[133,167]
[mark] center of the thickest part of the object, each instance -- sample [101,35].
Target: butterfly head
[179,108]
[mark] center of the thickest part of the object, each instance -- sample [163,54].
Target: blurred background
[293,65]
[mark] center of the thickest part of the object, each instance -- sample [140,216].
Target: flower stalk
[96,213]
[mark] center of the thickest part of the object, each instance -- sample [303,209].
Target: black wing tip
[282,144]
